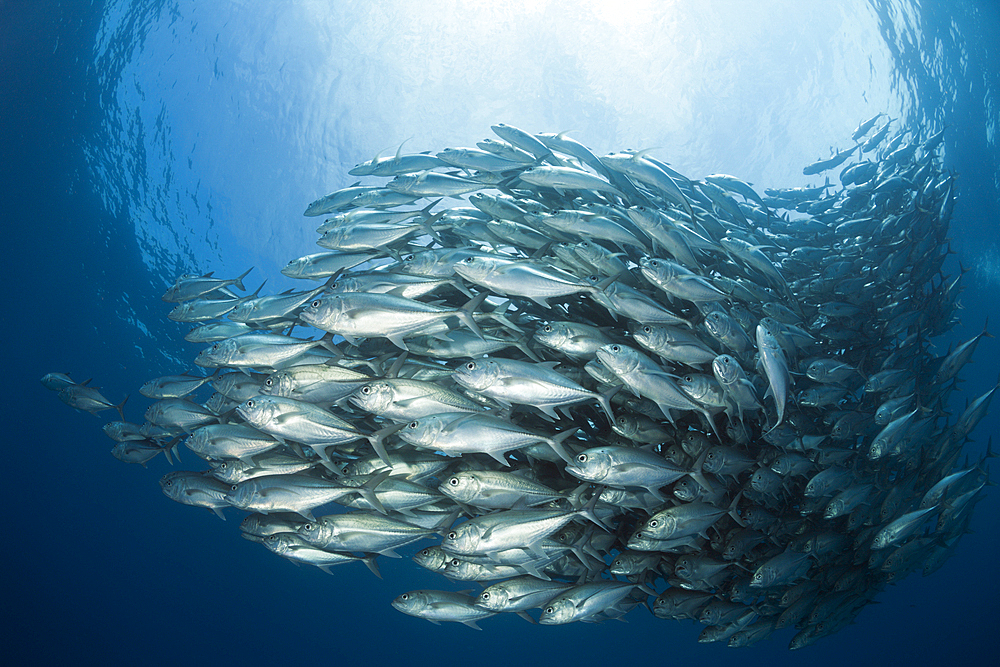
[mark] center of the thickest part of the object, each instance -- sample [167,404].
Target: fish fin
[698,475]
[471,624]
[368,490]
[239,280]
[397,364]
[604,398]
[397,340]
[536,549]
[522,345]
[734,510]
[390,553]
[369,560]
[119,407]
[376,442]
[588,510]
[218,513]
[557,446]
[446,522]
[541,301]
[548,411]
[527,617]
[499,457]
[534,571]
[665,409]
[465,314]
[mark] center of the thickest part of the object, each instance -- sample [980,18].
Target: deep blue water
[145,139]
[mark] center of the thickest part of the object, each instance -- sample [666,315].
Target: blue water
[139,140]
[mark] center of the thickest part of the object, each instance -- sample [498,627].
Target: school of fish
[593,384]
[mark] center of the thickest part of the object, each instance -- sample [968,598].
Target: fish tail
[376,439]
[464,314]
[369,560]
[239,281]
[121,405]
[604,398]
[557,446]
[588,510]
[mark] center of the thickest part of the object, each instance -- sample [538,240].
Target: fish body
[363,315]
[197,489]
[299,493]
[584,602]
[438,606]
[457,433]
[538,385]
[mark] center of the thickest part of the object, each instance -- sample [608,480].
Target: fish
[188,287]
[360,315]
[437,606]
[532,377]
[84,397]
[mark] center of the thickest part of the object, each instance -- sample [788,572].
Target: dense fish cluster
[593,385]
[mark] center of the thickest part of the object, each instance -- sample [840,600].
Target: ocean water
[144,139]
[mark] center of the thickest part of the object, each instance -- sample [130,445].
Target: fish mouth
[582,473]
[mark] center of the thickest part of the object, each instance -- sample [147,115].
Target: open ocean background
[141,139]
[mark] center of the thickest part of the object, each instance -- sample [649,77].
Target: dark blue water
[139,140]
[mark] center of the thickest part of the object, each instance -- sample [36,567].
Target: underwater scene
[637,331]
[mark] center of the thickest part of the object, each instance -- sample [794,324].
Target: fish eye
[547,328]
[582,458]
[223,466]
[315,303]
[366,390]
[425,552]
[454,562]
[452,535]
[616,348]
[485,595]
[453,481]
[233,487]
[468,260]
[549,610]
[250,403]
[711,455]
[653,523]
[168,483]
[688,378]
[471,366]
[404,596]
[268,382]
[647,329]
[622,421]
[593,278]
[412,425]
